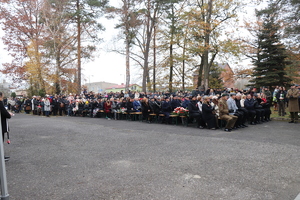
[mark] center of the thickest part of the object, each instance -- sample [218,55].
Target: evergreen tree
[270,62]
[215,80]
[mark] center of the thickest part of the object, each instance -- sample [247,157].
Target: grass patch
[276,115]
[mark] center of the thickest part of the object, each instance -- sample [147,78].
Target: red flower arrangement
[180,111]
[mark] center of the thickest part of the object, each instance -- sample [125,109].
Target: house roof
[223,66]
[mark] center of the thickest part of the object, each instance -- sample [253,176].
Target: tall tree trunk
[200,73]
[149,29]
[78,48]
[171,67]
[171,51]
[127,63]
[127,41]
[57,73]
[183,55]
[206,44]
[183,75]
[154,58]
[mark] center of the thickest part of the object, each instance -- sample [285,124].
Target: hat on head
[224,94]
[232,94]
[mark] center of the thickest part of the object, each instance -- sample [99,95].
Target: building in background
[98,87]
[227,76]
[21,93]
[118,88]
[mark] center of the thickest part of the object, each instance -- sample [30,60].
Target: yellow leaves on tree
[35,69]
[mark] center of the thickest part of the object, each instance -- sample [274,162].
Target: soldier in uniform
[224,113]
[292,95]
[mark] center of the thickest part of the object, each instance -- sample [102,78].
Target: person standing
[54,105]
[292,95]
[47,107]
[281,100]
[27,105]
[4,116]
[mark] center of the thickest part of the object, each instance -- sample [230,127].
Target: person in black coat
[129,105]
[207,113]
[27,105]
[4,116]
[100,104]
[166,109]
[175,102]
[155,105]
[123,103]
[62,105]
[249,105]
[266,106]
[260,112]
[54,105]
[241,109]
[146,109]
[194,112]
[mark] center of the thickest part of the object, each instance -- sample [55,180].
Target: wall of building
[99,87]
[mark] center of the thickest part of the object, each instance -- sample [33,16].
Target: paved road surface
[86,158]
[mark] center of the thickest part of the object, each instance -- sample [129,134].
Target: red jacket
[107,107]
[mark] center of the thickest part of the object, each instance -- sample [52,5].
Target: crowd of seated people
[235,108]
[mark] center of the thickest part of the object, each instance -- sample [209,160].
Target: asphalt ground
[90,158]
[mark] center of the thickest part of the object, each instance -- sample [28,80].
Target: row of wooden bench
[138,116]
[157,118]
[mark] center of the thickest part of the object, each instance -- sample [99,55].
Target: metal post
[3,181]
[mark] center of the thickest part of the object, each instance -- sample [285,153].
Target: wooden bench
[152,115]
[101,113]
[184,120]
[159,117]
[174,117]
[139,116]
[136,116]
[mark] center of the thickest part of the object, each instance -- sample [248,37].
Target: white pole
[3,181]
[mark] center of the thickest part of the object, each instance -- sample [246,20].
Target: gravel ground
[87,158]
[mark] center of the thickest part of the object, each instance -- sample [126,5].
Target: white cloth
[46,105]
[199,106]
